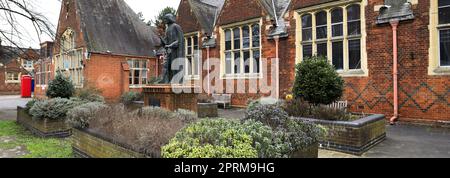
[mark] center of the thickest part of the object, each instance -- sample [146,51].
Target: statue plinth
[167,96]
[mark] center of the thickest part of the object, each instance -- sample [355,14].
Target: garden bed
[207,110]
[43,128]
[354,137]
[87,144]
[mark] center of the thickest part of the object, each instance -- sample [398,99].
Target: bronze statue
[174,45]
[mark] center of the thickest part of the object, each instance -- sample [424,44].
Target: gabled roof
[395,10]
[9,53]
[111,26]
[277,9]
[207,12]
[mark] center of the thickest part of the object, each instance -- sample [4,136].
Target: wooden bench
[339,105]
[224,99]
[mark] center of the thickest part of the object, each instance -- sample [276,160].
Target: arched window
[337,20]
[69,60]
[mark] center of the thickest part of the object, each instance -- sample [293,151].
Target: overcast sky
[51,8]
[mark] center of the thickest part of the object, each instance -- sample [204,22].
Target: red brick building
[355,35]
[14,63]
[103,44]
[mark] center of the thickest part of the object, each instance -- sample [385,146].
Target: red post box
[26,86]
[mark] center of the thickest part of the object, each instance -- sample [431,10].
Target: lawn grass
[36,147]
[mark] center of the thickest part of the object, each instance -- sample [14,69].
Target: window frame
[441,27]
[434,54]
[251,50]
[43,69]
[198,55]
[345,38]
[71,56]
[140,69]
[9,80]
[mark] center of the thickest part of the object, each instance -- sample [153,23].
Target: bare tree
[15,15]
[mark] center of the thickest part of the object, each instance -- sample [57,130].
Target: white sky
[51,8]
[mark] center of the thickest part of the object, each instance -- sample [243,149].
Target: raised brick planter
[207,110]
[87,144]
[355,137]
[43,128]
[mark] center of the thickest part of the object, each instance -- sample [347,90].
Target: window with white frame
[444,33]
[138,72]
[12,77]
[342,44]
[242,50]
[27,64]
[193,55]
[69,61]
[43,72]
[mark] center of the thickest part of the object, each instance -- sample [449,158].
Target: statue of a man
[174,45]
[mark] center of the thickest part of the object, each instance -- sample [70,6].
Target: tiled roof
[111,26]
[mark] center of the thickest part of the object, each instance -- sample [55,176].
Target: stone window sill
[242,76]
[442,70]
[352,73]
[12,82]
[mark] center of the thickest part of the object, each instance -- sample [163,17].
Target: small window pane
[256,37]
[246,62]
[228,60]
[237,62]
[321,25]
[444,14]
[354,28]
[321,18]
[227,39]
[256,62]
[196,65]
[307,34]
[307,27]
[322,49]
[353,12]
[444,3]
[337,30]
[307,51]
[189,46]
[306,21]
[336,20]
[354,47]
[195,42]
[445,47]
[237,38]
[338,55]
[337,16]
[246,36]
[189,65]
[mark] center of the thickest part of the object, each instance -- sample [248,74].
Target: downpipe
[394,25]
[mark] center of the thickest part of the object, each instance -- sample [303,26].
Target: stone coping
[356,124]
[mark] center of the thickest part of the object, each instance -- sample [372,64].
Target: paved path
[403,141]
[8,106]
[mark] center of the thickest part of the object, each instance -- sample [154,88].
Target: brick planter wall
[207,110]
[311,151]
[354,137]
[86,144]
[43,128]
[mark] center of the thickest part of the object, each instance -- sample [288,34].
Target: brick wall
[10,88]
[107,73]
[423,98]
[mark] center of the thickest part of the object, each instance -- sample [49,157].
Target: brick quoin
[423,98]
